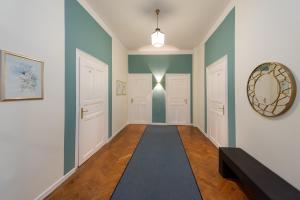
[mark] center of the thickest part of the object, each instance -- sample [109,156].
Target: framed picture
[22,78]
[121,88]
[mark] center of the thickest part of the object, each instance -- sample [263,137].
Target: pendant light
[157,38]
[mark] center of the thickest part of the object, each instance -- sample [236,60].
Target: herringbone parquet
[203,156]
[97,178]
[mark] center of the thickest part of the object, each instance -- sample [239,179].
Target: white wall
[32,132]
[198,87]
[268,30]
[119,72]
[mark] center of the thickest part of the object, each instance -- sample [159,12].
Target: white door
[140,98]
[93,106]
[178,98]
[217,114]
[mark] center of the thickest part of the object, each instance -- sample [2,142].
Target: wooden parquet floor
[204,160]
[97,178]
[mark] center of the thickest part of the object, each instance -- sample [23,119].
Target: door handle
[185,101]
[131,100]
[82,111]
[222,108]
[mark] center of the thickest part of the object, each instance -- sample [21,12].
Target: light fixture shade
[158,38]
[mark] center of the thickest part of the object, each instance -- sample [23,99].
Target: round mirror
[271,89]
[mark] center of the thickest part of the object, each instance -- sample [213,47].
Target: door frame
[80,53]
[224,59]
[129,96]
[189,97]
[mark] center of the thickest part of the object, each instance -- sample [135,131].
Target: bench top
[270,183]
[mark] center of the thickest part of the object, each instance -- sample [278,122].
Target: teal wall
[159,65]
[82,32]
[222,43]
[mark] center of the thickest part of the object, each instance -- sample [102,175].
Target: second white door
[178,99]
[93,104]
[217,114]
[140,98]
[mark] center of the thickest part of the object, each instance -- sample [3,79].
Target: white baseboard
[48,191]
[65,177]
[200,129]
[158,124]
[212,141]
[117,132]
[206,135]
[180,124]
[150,123]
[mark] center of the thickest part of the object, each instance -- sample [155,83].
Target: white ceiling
[185,22]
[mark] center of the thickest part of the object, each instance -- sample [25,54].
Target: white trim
[200,129]
[179,52]
[106,28]
[120,129]
[162,124]
[77,110]
[219,21]
[158,124]
[98,19]
[142,123]
[117,132]
[212,141]
[207,136]
[55,185]
[95,16]
[176,124]
[80,53]
[223,59]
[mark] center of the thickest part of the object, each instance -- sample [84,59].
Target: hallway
[98,177]
[82,82]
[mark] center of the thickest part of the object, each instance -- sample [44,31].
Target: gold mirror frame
[283,76]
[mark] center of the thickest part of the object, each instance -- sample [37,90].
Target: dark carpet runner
[158,170]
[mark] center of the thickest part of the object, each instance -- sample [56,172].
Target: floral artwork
[27,78]
[21,78]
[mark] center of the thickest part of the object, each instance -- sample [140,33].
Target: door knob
[222,108]
[83,110]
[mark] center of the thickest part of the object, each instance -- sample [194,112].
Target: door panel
[140,98]
[217,102]
[93,101]
[178,98]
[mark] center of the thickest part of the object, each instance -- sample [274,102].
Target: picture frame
[22,78]
[120,88]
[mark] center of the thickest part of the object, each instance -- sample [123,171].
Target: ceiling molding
[184,23]
[218,22]
[160,53]
[98,19]
[107,29]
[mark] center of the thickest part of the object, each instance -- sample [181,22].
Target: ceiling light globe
[158,39]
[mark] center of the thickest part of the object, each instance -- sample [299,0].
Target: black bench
[258,181]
